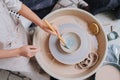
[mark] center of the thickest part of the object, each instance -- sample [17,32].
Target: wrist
[17,52]
[42,24]
[13,52]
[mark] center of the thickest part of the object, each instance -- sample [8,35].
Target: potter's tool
[94,28]
[62,40]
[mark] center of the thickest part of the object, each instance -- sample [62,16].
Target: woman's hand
[45,27]
[28,51]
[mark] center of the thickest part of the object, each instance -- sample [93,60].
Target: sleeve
[14,5]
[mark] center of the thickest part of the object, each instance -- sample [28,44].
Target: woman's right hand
[45,27]
[28,51]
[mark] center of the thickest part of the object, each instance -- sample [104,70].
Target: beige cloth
[13,35]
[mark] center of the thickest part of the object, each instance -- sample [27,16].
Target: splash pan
[46,58]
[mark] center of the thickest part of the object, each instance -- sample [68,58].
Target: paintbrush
[59,37]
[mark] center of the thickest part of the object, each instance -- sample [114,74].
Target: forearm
[27,13]
[9,53]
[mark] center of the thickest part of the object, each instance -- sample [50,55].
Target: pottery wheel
[78,55]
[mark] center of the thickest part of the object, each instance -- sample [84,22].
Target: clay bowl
[54,67]
[72,41]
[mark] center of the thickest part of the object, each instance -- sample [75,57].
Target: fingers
[51,32]
[31,54]
[47,29]
[56,29]
[32,47]
[32,51]
[54,33]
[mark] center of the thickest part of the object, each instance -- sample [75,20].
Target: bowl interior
[72,41]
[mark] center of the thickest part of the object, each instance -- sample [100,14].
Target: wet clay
[82,24]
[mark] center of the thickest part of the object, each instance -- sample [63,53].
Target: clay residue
[87,62]
[69,19]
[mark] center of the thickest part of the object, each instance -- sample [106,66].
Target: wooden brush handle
[51,27]
[61,39]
